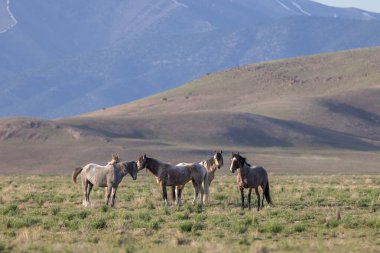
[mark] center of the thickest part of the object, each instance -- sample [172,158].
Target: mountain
[316,113]
[71,57]
[328,100]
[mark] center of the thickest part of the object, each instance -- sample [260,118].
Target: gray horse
[250,177]
[108,176]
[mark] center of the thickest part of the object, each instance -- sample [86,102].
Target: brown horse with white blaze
[249,177]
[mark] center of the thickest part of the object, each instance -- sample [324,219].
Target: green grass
[45,214]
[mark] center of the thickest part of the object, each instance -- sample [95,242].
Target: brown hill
[320,112]
[328,100]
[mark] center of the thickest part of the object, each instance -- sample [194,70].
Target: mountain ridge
[289,111]
[65,67]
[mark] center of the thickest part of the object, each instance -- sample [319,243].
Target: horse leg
[206,185]
[249,198]
[164,194]
[258,198]
[89,188]
[180,195]
[196,192]
[108,193]
[262,200]
[177,196]
[85,185]
[113,196]
[242,197]
[174,192]
[200,186]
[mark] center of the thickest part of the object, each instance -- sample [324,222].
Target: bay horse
[250,177]
[211,165]
[108,176]
[169,175]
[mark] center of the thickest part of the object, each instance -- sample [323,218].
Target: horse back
[252,177]
[259,174]
[99,175]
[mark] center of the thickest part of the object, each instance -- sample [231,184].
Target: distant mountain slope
[65,58]
[330,100]
[320,112]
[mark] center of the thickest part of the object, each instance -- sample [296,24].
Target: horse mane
[120,166]
[245,161]
[210,162]
[115,159]
[241,159]
[155,162]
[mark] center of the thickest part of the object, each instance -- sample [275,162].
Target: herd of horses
[201,174]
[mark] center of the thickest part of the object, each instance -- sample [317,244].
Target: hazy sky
[369,5]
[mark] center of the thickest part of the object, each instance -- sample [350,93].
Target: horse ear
[144,156]
[221,151]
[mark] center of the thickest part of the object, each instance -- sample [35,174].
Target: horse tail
[206,186]
[267,194]
[76,172]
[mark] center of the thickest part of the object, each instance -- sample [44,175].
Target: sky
[369,5]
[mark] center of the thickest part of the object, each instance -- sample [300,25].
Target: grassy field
[44,214]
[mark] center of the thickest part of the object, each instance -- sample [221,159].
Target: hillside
[66,58]
[317,113]
[326,100]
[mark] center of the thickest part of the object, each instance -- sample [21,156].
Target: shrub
[197,226]
[99,224]
[83,214]
[154,225]
[183,216]
[105,208]
[11,210]
[272,227]
[186,226]
[220,197]
[145,216]
[23,222]
[244,241]
[298,228]
[71,224]
[55,210]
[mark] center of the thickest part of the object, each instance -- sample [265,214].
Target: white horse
[108,176]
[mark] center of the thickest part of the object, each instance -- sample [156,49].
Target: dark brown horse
[170,175]
[250,177]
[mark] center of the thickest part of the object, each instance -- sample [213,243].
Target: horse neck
[153,165]
[210,165]
[243,171]
[120,168]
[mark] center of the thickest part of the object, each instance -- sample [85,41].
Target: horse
[211,165]
[250,177]
[169,175]
[108,176]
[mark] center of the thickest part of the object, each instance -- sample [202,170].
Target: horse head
[142,162]
[237,161]
[218,159]
[132,169]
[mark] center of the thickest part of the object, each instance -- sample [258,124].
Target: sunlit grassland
[45,214]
